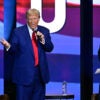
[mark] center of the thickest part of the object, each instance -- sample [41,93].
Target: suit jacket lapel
[39,50]
[28,39]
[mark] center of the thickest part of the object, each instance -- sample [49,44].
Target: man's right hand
[5,43]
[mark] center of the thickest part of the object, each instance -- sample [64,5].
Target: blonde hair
[32,12]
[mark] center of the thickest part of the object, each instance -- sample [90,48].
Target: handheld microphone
[38,35]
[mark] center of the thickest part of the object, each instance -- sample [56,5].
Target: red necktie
[35,48]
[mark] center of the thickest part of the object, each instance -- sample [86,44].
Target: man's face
[33,21]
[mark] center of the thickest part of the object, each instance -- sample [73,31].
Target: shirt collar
[30,30]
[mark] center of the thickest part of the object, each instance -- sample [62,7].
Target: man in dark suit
[30,72]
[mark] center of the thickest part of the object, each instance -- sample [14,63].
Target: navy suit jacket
[21,47]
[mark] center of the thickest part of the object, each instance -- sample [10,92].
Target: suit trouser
[34,91]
